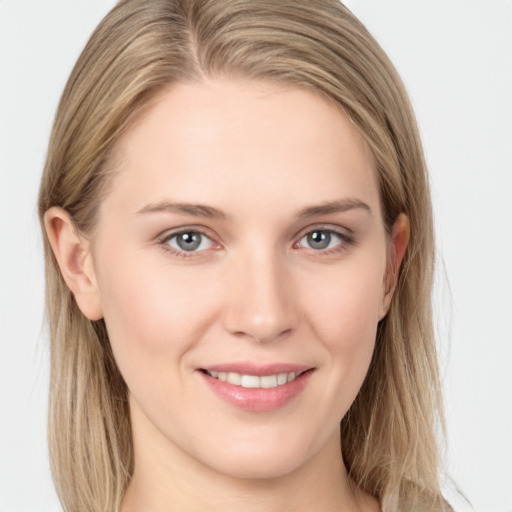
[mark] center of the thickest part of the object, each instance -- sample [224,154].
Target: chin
[264,458]
[258,468]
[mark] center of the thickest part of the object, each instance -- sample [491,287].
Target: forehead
[236,139]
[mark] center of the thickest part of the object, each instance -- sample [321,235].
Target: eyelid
[345,234]
[333,228]
[164,237]
[168,233]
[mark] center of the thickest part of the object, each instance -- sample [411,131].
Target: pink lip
[257,399]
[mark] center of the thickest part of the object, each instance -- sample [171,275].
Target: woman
[239,257]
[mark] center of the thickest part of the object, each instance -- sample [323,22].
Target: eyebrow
[197,210]
[338,206]
[201,210]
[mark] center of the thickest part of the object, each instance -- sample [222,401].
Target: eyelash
[346,240]
[164,243]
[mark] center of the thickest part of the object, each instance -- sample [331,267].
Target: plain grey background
[455,58]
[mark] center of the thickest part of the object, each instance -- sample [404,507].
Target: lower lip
[258,399]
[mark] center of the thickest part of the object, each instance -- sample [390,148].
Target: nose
[260,303]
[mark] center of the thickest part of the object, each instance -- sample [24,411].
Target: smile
[254,381]
[257,388]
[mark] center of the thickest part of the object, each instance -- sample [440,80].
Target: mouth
[255,381]
[257,388]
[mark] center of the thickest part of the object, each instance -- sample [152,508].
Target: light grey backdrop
[455,57]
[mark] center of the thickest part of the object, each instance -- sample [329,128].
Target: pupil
[319,239]
[189,241]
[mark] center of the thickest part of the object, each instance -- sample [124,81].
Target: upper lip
[260,370]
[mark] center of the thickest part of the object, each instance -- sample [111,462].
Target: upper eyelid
[345,238]
[169,233]
[342,231]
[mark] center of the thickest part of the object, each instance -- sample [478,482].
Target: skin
[254,290]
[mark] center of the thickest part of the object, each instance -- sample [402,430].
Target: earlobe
[398,245]
[72,252]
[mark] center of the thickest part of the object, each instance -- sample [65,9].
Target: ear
[72,252]
[398,245]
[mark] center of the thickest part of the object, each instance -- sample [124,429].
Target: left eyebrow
[339,206]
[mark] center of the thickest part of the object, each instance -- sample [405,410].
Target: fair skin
[242,235]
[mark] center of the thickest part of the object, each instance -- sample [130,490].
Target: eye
[322,239]
[188,241]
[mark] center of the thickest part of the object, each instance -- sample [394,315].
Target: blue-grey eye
[321,239]
[189,241]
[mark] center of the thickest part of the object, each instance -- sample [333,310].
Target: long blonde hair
[142,46]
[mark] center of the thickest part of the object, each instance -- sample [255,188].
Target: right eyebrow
[196,210]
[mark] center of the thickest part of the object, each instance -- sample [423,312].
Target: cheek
[152,315]
[345,317]
[347,300]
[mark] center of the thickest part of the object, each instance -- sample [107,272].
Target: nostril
[263,336]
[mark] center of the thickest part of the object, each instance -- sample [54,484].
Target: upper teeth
[253,381]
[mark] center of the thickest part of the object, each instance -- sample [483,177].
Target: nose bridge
[260,300]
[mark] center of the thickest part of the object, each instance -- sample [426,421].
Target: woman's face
[240,262]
